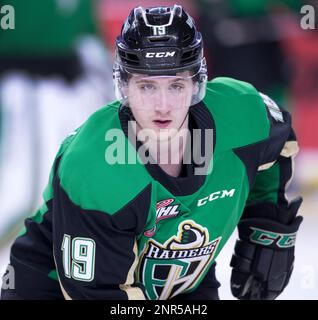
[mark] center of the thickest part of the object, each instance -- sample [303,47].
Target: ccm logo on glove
[266,238]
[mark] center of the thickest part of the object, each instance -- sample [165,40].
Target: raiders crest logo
[177,265]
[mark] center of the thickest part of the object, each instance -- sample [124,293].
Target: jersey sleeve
[273,179]
[96,252]
[276,163]
[31,252]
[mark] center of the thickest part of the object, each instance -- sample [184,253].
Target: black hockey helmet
[159,41]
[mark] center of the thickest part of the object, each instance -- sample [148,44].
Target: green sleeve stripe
[53,275]
[266,185]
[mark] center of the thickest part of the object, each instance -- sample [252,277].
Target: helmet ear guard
[120,78]
[200,81]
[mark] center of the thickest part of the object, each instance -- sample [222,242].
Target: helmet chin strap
[185,118]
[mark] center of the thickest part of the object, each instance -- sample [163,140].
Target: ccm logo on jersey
[216,195]
[160,54]
[163,211]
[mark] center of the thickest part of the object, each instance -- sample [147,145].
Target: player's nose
[162,103]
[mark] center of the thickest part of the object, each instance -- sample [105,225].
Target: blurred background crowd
[56,69]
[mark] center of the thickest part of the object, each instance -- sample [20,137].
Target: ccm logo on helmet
[160,54]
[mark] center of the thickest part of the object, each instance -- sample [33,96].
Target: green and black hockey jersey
[129,230]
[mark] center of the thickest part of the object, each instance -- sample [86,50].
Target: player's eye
[147,87]
[178,87]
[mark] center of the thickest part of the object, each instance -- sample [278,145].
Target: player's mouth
[162,123]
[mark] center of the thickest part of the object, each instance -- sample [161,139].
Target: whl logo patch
[170,268]
[164,210]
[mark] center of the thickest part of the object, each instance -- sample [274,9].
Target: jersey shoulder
[239,113]
[94,170]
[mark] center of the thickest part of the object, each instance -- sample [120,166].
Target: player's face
[160,103]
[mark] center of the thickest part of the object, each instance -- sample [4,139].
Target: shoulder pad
[239,113]
[89,180]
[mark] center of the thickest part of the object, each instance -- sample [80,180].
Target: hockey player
[152,229]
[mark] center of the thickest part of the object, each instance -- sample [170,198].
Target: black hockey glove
[263,257]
